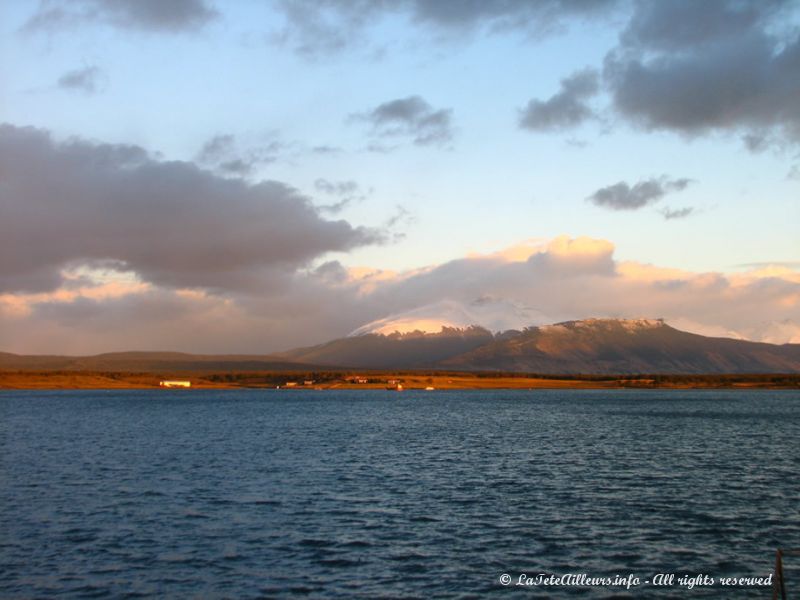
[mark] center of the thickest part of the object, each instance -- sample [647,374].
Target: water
[246,494]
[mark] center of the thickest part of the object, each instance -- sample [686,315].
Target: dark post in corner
[778,584]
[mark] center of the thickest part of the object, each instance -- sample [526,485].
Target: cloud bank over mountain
[550,281]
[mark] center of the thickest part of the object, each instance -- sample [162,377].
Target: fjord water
[344,494]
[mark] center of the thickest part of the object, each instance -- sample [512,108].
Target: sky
[237,176]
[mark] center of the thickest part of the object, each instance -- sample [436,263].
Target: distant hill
[591,346]
[148,362]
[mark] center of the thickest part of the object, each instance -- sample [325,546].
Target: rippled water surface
[244,494]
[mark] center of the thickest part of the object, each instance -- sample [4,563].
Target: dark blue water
[244,494]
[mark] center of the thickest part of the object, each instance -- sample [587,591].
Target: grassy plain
[10,379]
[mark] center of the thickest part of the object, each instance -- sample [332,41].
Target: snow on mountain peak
[497,315]
[490,313]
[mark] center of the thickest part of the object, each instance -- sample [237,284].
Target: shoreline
[291,381]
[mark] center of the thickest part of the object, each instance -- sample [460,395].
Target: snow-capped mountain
[613,346]
[492,314]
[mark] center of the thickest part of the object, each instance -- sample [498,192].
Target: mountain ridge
[595,346]
[147,361]
[589,346]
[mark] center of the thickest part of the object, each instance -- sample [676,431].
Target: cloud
[622,196]
[701,67]
[572,278]
[402,215]
[216,149]
[789,264]
[729,67]
[568,108]
[87,80]
[171,223]
[347,192]
[326,150]
[554,280]
[410,117]
[336,188]
[158,16]
[682,24]
[694,68]
[318,29]
[679,213]
[502,15]
[222,153]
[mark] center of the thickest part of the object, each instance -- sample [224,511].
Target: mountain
[147,362]
[397,350]
[625,346]
[591,346]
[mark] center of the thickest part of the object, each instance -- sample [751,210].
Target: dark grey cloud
[318,28]
[223,153]
[622,196]
[568,108]
[678,213]
[681,24]
[87,80]
[728,66]
[686,66]
[174,224]
[738,85]
[347,192]
[695,68]
[410,117]
[161,16]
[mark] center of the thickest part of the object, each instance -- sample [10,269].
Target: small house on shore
[171,383]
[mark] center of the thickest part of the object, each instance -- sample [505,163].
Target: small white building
[175,383]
